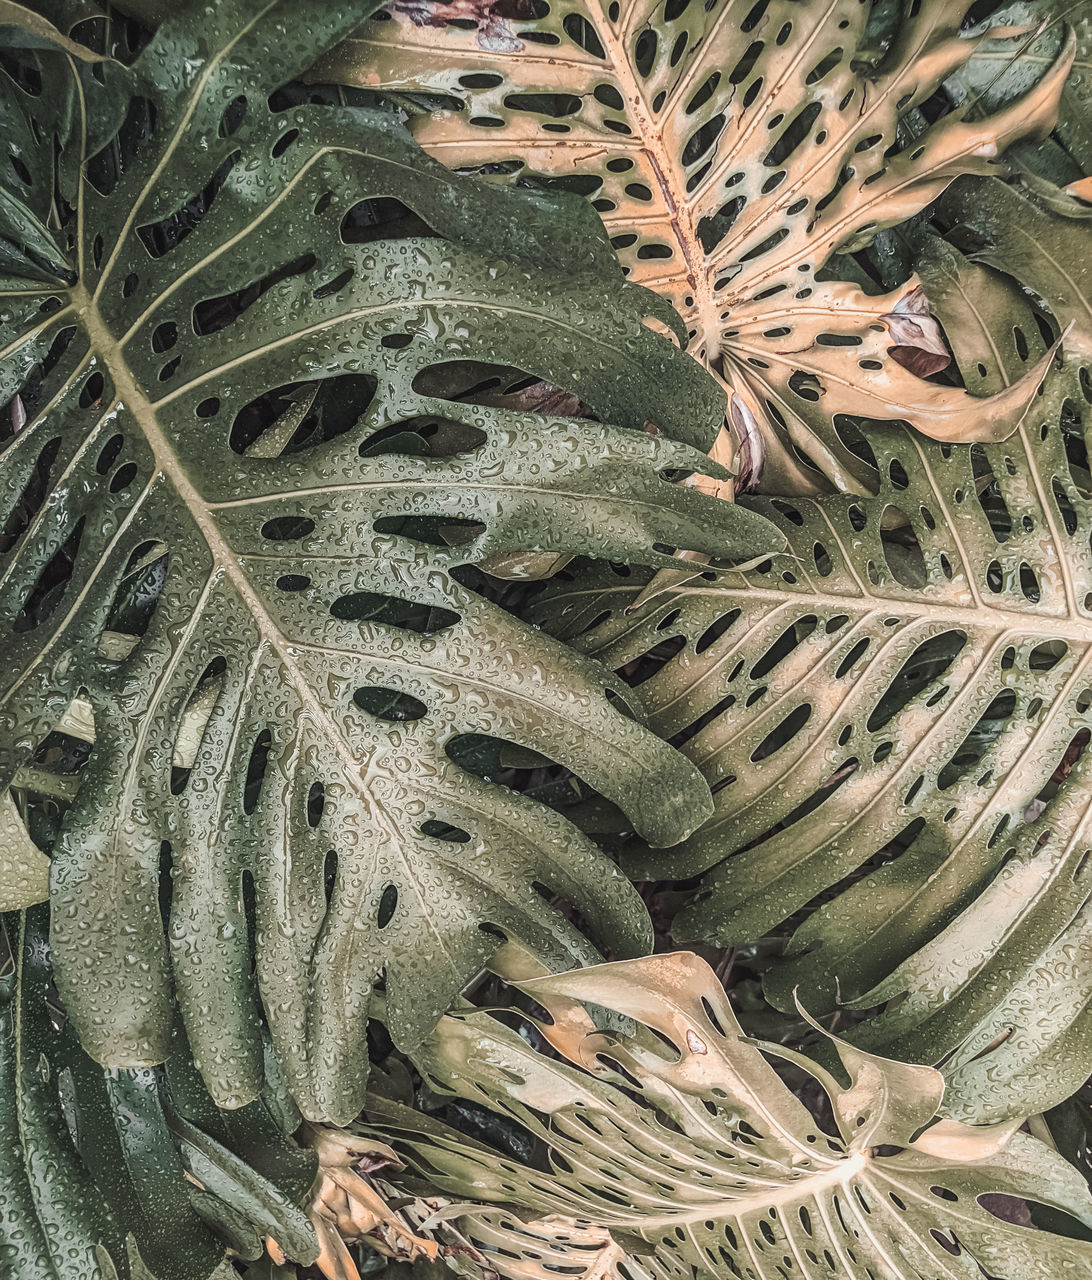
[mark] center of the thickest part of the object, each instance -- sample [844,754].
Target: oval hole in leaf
[498,386]
[163,236]
[990,499]
[316,803]
[388,902]
[47,592]
[410,615]
[301,415]
[27,505]
[444,831]
[437,531]
[193,722]
[287,528]
[256,770]
[424,437]
[389,704]
[901,548]
[135,600]
[213,314]
[715,630]
[786,642]
[783,733]
[329,874]
[974,746]
[924,667]
[382,218]
[648,664]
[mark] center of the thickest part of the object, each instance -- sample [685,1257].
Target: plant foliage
[249,339]
[893,715]
[129,1173]
[679,1138]
[321,325]
[732,148]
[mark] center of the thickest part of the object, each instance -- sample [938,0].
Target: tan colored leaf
[731,149]
[894,717]
[346,1204]
[682,1147]
[24,868]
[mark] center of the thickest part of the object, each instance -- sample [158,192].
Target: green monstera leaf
[673,1149]
[100,1168]
[263,363]
[893,716]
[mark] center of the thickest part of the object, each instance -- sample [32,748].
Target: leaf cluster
[470,472]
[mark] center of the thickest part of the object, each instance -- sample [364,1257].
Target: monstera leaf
[731,148]
[250,361]
[127,1173]
[893,719]
[681,1146]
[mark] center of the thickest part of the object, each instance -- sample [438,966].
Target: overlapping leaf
[731,148]
[247,361]
[111,1174]
[1021,41]
[893,717]
[682,1149]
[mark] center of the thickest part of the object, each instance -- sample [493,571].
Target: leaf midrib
[170,465]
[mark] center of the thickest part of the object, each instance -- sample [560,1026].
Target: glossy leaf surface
[251,344]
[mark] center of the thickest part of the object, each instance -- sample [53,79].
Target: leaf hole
[334,285]
[409,615]
[316,804]
[783,734]
[233,116]
[383,218]
[444,831]
[135,601]
[793,636]
[388,903]
[91,391]
[283,143]
[288,528]
[389,704]
[990,499]
[166,234]
[256,769]
[692,730]
[436,531]
[792,135]
[193,723]
[30,500]
[715,630]
[581,32]
[901,549]
[638,670]
[924,667]
[214,314]
[424,437]
[301,415]
[1029,583]
[51,584]
[987,730]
